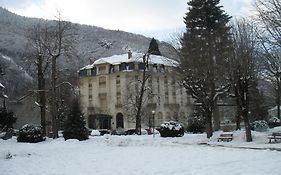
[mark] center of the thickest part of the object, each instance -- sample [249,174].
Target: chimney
[130,54]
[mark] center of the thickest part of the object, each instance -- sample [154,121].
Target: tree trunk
[53,99]
[278,97]
[238,108]
[42,95]
[238,122]
[209,126]
[247,126]
[216,115]
[139,101]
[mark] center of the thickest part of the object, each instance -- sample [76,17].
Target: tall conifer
[205,54]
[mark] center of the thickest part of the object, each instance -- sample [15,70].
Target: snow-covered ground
[142,155]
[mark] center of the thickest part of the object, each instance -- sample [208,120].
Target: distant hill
[92,43]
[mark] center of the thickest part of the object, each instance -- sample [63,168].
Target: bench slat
[274,136]
[225,137]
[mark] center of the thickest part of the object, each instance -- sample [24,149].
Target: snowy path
[133,155]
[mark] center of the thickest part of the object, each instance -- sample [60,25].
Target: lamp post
[153,122]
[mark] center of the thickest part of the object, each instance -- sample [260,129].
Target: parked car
[118,132]
[130,132]
[95,132]
[104,131]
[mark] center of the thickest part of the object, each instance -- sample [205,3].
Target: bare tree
[269,20]
[136,94]
[245,47]
[38,56]
[136,97]
[60,43]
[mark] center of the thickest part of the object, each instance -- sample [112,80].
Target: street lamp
[153,122]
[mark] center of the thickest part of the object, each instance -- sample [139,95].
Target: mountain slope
[92,42]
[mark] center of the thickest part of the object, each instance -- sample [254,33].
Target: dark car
[130,132]
[118,132]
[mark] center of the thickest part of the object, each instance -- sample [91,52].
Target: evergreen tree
[204,55]
[258,108]
[6,119]
[75,125]
[153,47]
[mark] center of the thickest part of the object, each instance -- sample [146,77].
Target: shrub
[74,127]
[171,129]
[274,122]
[259,125]
[6,119]
[30,134]
[196,124]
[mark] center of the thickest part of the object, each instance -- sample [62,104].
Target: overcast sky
[153,18]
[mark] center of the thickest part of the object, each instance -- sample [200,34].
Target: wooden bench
[226,136]
[274,136]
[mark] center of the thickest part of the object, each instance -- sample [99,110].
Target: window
[90,87]
[89,71]
[90,97]
[116,67]
[141,66]
[166,97]
[118,80]
[168,116]
[131,66]
[103,102]
[166,81]
[102,81]
[102,69]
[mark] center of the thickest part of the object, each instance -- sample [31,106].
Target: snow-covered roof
[136,57]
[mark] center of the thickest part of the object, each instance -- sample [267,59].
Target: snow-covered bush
[171,129]
[274,122]
[30,134]
[259,125]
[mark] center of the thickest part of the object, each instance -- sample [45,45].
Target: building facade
[109,87]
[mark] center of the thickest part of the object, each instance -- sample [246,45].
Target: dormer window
[141,66]
[89,72]
[102,69]
[123,66]
[154,67]
[131,66]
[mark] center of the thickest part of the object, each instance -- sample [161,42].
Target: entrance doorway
[119,120]
[100,121]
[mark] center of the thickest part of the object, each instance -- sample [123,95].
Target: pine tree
[75,125]
[204,55]
[6,119]
[153,47]
[258,108]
